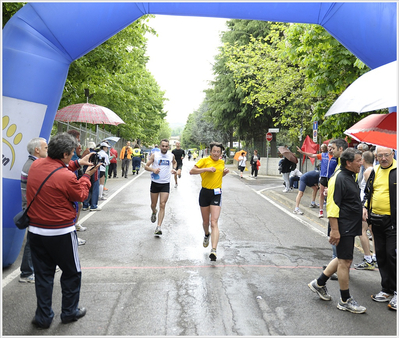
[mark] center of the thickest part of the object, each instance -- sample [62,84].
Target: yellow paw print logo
[16,139]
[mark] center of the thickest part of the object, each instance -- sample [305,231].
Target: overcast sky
[181,59]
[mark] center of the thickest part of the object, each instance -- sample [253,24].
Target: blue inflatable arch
[42,39]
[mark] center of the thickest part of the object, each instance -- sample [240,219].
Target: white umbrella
[374,90]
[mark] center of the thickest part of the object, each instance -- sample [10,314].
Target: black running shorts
[156,188]
[207,197]
[345,247]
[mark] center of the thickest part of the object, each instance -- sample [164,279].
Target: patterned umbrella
[376,129]
[88,113]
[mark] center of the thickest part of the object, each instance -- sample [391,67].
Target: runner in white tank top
[164,162]
[161,164]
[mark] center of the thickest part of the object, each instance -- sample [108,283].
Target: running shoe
[212,255]
[154,216]
[298,211]
[320,290]
[29,279]
[206,241]
[158,231]
[365,265]
[351,305]
[286,190]
[394,301]
[313,205]
[321,214]
[85,209]
[95,209]
[81,241]
[382,297]
[80,227]
[103,198]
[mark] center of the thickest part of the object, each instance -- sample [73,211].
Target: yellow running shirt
[211,180]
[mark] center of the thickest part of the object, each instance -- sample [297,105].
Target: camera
[95,158]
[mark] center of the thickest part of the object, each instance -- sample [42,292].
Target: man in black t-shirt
[179,155]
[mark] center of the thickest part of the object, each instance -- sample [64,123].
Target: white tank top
[164,162]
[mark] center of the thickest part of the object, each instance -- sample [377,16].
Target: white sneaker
[81,241]
[95,209]
[298,211]
[286,190]
[103,198]
[382,297]
[79,227]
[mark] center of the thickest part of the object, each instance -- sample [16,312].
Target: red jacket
[114,153]
[54,208]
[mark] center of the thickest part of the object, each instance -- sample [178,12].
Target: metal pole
[267,157]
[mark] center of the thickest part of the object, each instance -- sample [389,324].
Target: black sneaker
[158,231]
[212,255]
[365,265]
[206,241]
[79,314]
[38,325]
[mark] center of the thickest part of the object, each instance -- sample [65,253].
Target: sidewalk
[289,201]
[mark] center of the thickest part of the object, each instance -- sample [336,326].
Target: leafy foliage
[115,73]
[297,71]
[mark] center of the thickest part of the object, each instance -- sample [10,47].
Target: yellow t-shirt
[211,180]
[380,202]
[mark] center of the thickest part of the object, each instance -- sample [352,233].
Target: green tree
[164,131]
[226,100]
[297,71]
[116,75]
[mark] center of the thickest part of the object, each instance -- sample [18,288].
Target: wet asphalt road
[134,283]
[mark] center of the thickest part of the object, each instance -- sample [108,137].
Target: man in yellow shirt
[212,171]
[380,211]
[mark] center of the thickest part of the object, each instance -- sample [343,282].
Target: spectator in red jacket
[52,233]
[113,166]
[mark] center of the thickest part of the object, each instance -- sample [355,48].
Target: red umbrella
[88,113]
[376,129]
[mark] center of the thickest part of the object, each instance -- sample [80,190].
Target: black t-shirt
[179,153]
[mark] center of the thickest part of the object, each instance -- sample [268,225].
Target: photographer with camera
[104,160]
[51,230]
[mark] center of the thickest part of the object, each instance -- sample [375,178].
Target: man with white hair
[37,148]
[380,211]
